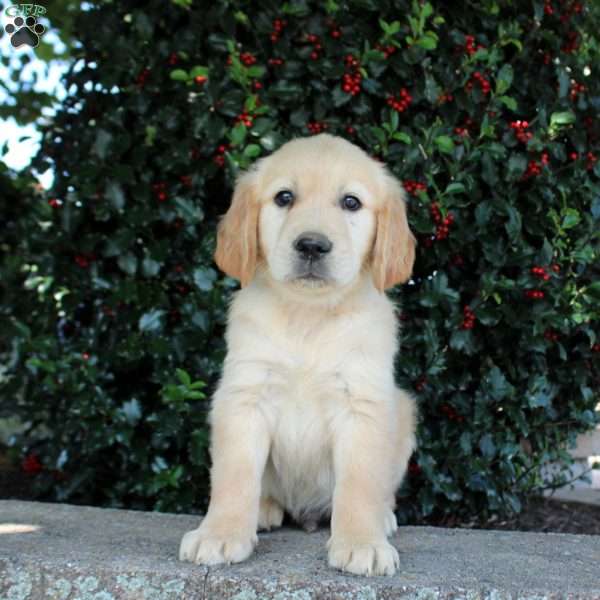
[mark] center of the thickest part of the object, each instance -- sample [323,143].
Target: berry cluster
[173,59]
[420,384]
[335,32]
[400,102]
[451,413]
[387,50]
[443,98]
[313,39]
[182,288]
[533,169]
[443,226]
[186,180]
[470,47]
[413,187]
[160,191]
[352,78]
[572,43]
[576,89]
[55,202]
[469,318]
[520,129]
[275,62]
[461,132]
[540,272]
[574,8]
[534,294]
[200,79]
[248,58]
[591,160]
[316,127]
[142,77]
[484,84]
[246,118]
[219,157]
[414,469]
[278,25]
[551,335]
[31,464]
[84,260]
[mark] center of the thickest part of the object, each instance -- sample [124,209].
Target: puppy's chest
[301,408]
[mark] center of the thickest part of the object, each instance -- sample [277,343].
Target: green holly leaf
[152,321]
[504,79]
[180,75]
[444,144]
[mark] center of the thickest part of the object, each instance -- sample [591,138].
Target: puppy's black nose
[312,245]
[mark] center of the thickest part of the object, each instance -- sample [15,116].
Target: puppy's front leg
[239,450]
[363,465]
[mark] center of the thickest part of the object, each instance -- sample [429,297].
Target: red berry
[31,464]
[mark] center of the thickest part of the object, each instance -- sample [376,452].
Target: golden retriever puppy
[307,417]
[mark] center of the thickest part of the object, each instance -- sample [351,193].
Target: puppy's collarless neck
[325,299]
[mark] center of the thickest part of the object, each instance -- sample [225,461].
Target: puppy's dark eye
[351,203]
[284,198]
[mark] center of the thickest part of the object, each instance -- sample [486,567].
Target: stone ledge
[67,552]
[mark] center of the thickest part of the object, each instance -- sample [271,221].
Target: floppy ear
[237,234]
[394,246]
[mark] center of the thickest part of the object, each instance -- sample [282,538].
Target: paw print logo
[25,32]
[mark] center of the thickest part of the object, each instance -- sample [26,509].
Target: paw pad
[25,32]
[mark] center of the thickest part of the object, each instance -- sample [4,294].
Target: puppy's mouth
[310,274]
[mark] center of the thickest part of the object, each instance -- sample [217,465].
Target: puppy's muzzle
[312,246]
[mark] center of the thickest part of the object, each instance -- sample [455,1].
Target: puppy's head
[317,213]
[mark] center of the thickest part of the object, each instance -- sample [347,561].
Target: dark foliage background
[113,311]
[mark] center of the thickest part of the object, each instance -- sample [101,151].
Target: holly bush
[486,110]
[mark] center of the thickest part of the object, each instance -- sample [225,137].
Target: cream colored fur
[307,417]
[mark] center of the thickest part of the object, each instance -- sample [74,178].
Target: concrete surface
[64,552]
[581,495]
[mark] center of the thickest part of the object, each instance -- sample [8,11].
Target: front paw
[363,557]
[208,546]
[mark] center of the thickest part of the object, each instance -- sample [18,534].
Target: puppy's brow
[355,188]
[281,183]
